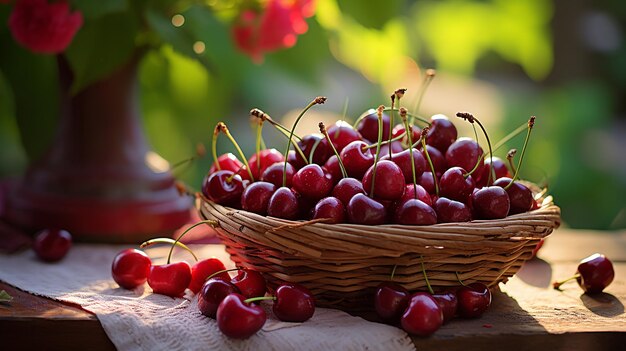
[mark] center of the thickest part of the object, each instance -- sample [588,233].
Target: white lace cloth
[140,320]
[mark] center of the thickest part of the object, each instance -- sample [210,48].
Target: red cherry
[202,270]
[396,148]
[283,204]
[368,126]
[332,167]
[331,208]
[414,212]
[448,303]
[256,197]
[399,129]
[265,158]
[499,167]
[464,153]
[227,162]
[596,273]
[238,319]
[427,182]
[490,202]
[274,174]
[223,187]
[52,245]
[341,134]
[403,160]
[455,185]
[306,144]
[520,196]
[416,192]
[390,301]
[170,279]
[346,189]
[442,133]
[250,283]
[423,316]
[364,210]
[473,300]
[438,159]
[389,182]
[449,211]
[213,293]
[130,268]
[294,303]
[311,182]
[357,159]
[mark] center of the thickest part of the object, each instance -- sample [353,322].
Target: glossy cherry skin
[442,132]
[448,303]
[227,162]
[368,126]
[130,268]
[390,301]
[364,210]
[341,134]
[427,182]
[389,182]
[52,245]
[396,148]
[223,188]
[399,129]
[170,279]
[438,159]
[520,196]
[499,168]
[403,160]
[306,145]
[311,182]
[473,300]
[332,167]
[294,303]
[454,185]
[346,188]
[250,283]
[283,204]
[596,273]
[213,293]
[256,197]
[449,211]
[331,208]
[416,192]
[357,159]
[414,212]
[201,270]
[464,153]
[237,319]
[274,174]
[263,159]
[490,202]
[423,316]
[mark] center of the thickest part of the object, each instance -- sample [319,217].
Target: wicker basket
[343,263]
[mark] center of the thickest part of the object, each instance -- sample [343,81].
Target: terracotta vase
[99,179]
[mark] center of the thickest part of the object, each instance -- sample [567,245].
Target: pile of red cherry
[371,173]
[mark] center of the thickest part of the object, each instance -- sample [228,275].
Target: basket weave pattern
[343,263]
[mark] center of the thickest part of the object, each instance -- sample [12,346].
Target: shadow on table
[603,304]
[536,272]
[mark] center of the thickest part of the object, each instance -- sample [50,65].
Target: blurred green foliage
[358,51]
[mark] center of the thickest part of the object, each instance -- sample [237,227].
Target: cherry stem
[259,137]
[393,272]
[509,157]
[226,132]
[332,146]
[220,272]
[216,133]
[345,108]
[208,221]
[313,148]
[430,161]
[412,115]
[383,143]
[317,100]
[479,159]
[391,115]
[531,123]
[430,75]
[430,288]
[557,285]
[380,138]
[260,298]
[470,118]
[167,241]
[459,278]
[410,139]
[255,112]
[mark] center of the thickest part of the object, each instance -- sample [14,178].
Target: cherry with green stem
[292,303]
[473,299]
[221,126]
[346,187]
[379,111]
[403,114]
[264,117]
[425,132]
[325,134]
[170,279]
[390,300]
[531,123]
[471,119]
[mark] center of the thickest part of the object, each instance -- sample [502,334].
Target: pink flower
[44,27]
[277,27]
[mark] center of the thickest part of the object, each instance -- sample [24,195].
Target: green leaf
[5,297]
[101,47]
[93,9]
[181,38]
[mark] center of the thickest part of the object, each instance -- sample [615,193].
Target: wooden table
[527,314]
